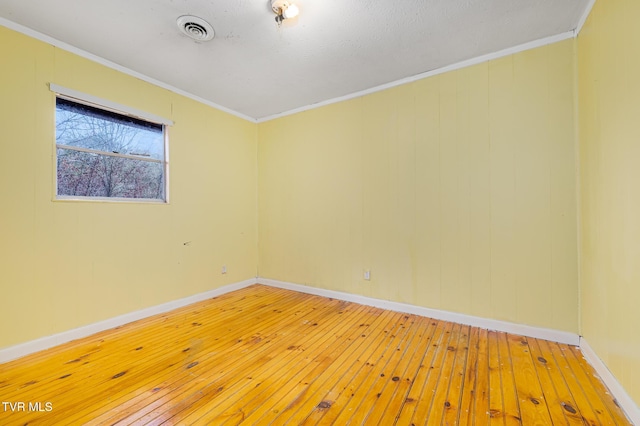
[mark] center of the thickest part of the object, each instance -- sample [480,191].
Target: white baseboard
[27,348]
[491,324]
[624,400]
[17,351]
[627,404]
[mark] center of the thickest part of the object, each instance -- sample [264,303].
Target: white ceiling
[335,48]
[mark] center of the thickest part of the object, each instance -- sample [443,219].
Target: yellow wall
[458,192]
[609,105]
[67,264]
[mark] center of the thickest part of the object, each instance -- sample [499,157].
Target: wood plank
[222,369]
[267,380]
[562,407]
[416,390]
[512,414]
[424,399]
[496,401]
[226,365]
[298,400]
[103,382]
[454,395]
[270,356]
[481,411]
[343,382]
[467,404]
[124,338]
[310,413]
[156,386]
[414,365]
[441,391]
[245,298]
[531,400]
[385,383]
[581,398]
[190,353]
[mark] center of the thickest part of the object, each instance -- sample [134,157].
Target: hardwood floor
[268,356]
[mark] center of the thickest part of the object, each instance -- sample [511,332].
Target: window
[106,154]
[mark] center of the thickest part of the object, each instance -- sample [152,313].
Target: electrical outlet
[367,275]
[224,269]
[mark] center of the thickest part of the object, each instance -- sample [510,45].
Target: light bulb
[291,11]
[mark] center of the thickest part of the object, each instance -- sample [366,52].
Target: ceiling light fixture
[284,10]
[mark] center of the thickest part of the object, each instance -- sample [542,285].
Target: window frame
[113,107]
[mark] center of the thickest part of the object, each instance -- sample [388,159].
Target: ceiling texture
[257,69]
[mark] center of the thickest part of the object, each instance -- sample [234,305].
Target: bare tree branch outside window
[104,154]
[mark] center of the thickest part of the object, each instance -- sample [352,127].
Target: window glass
[101,153]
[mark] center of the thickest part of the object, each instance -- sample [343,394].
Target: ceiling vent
[196,28]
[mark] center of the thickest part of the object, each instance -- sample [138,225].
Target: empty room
[283,212]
